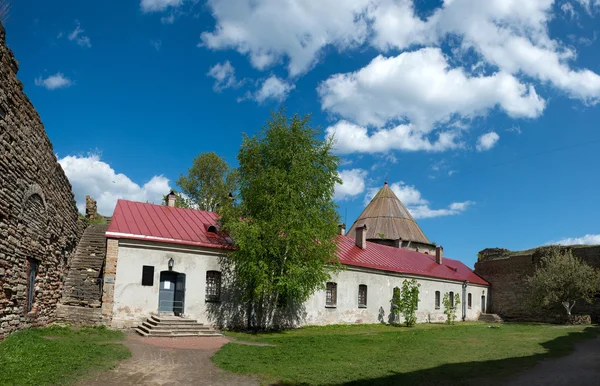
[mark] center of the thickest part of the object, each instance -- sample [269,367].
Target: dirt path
[580,368]
[169,361]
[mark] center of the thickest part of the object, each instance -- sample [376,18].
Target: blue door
[171,294]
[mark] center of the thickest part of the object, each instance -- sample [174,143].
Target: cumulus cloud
[418,206]
[587,239]
[224,75]
[53,82]
[351,138]
[487,141]
[420,86]
[272,88]
[78,37]
[353,183]
[159,5]
[269,31]
[91,176]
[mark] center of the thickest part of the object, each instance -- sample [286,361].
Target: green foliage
[58,355]
[449,308]
[409,301]
[208,183]
[285,221]
[562,279]
[396,305]
[405,301]
[381,235]
[428,354]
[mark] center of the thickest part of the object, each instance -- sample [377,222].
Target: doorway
[171,294]
[483,304]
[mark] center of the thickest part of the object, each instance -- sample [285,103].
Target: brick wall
[38,217]
[507,272]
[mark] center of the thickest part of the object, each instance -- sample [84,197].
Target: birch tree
[284,220]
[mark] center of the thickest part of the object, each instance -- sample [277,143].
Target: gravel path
[170,361]
[581,368]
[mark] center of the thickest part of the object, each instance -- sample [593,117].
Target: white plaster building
[166,259]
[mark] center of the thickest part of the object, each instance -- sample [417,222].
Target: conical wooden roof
[388,219]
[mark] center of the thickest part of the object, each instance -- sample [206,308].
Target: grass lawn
[58,355]
[467,353]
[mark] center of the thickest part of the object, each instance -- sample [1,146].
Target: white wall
[380,288]
[133,302]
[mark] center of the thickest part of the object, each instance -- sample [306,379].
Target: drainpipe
[464,302]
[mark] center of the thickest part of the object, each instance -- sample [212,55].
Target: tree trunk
[568,306]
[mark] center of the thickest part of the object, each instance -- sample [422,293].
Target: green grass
[58,355]
[467,353]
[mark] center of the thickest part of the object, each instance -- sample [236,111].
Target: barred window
[331,295]
[362,296]
[469,300]
[437,300]
[213,286]
[451,299]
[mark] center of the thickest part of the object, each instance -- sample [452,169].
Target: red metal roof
[139,221]
[382,257]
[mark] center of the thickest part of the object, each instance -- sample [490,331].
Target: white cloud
[78,37]
[587,239]
[157,44]
[569,10]
[589,5]
[415,203]
[269,31]
[168,19]
[53,82]
[159,5]
[352,138]
[224,75]
[353,183]
[514,36]
[91,176]
[487,141]
[272,88]
[420,86]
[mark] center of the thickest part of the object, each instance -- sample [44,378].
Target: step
[198,327]
[171,320]
[155,332]
[178,334]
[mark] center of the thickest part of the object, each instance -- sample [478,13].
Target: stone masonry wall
[507,272]
[38,216]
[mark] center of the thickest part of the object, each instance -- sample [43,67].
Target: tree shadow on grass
[476,373]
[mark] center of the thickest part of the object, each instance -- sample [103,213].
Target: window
[33,271]
[437,300]
[451,296]
[469,301]
[148,275]
[213,286]
[331,295]
[362,296]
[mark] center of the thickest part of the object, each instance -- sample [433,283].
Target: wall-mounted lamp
[171,263]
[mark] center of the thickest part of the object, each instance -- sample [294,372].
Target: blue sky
[481,115]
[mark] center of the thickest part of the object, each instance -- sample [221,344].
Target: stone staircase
[174,326]
[83,283]
[490,318]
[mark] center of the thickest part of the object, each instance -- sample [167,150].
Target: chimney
[439,254]
[398,243]
[171,199]
[342,229]
[361,236]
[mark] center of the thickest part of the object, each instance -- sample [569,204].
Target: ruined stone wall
[38,216]
[507,271]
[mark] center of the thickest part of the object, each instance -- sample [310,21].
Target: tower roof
[388,219]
